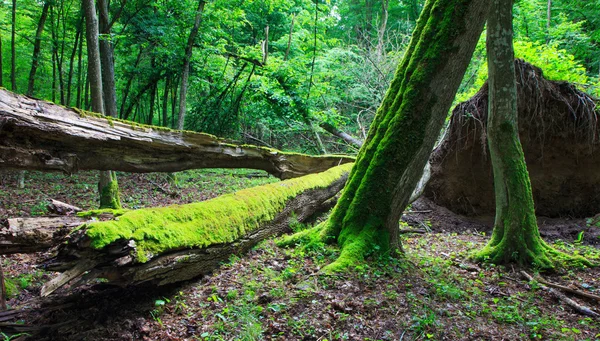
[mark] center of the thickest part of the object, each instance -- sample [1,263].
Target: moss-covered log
[404,131]
[38,135]
[176,243]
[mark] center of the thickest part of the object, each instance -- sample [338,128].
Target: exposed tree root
[542,256]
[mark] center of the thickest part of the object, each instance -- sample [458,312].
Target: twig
[413,212]
[405,231]
[567,289]
[561,297]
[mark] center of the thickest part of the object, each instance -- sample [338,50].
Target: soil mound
[558,127]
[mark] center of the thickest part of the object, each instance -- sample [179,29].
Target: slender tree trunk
[122,112]
[165,102]
[407,124]
[13,59]
[382,28]
[1,64]
[72,62]
[107,185]
[186,66]
[152,103]
[516,237]
[289,44]
[80,81]
[548,20]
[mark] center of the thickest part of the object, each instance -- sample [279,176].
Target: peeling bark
[38,135]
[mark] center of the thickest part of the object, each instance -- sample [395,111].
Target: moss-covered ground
[276,293]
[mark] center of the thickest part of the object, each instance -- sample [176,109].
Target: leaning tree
[404,132]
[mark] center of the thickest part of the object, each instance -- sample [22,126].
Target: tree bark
[72,62]
[351,140]
[108,186]
[515,237]
[404,131]
[289,44]
[186,66]
[28,235]
[193,239]
[13,53]
[35,59]
[39,135]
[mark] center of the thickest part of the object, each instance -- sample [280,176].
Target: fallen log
[27,235]
[38,135]
[177,243]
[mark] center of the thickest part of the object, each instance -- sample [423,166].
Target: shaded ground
[275,293]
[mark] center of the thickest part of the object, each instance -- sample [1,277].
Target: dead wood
[38,135]
[558,128]
[569,290]
[61,208]
[118,262]
[561,297]
[28,235]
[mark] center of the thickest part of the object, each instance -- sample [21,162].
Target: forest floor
[434,293]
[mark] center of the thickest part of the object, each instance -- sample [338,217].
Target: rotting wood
[61,208]
[38,135]
[28,235]
[569,290]
[119,263]
[562,297]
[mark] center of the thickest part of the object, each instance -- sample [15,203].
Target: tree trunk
[404,131]
[1,65]
[186,65]
[80,81]
[351,140]
[35,59]
[172,244]
[165,102]
[289,44]
[39,135]
[13,59]
[108,186]
[516,237]
[382,28]
[72,63]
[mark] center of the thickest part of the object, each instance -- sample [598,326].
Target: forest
[299,170]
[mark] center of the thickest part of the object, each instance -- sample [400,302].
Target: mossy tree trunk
[405,129]
[515,237]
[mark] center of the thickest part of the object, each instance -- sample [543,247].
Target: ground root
[311,237]
[545,258]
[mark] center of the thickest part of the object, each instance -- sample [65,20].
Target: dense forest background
[271,72]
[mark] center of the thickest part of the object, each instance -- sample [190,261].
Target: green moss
[109,194]
[97,213]
[220,220]
[364,218]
